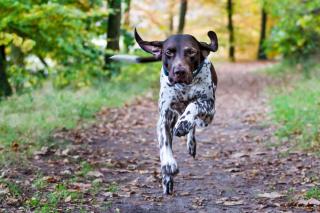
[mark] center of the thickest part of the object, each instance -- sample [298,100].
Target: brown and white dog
[187,92]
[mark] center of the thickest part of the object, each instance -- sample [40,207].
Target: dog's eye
[191,52]
[169,53]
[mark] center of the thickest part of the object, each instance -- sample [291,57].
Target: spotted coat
[182,108]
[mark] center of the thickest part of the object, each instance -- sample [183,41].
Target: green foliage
[297,30]
[60,30]
[22,80]
[85,168]
[14,189]
[30,118]
[297,111]
[113,187]
[314,192]
[48,202]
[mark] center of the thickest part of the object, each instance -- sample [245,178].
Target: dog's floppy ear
[153,47]
[212,47]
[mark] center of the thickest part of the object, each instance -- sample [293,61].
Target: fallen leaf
[233,203]
[125,194]
[80,186]
[271,195]
[50,179]
[107,194]
[65,172]
[12,201]
[233,170]
[240,155]
[43,151]
[184,193]
[4,191]
[15,146]
[310,202]
[65,152]
[314,202]
[199,201]
[230,201]
[95,174]
[68,199]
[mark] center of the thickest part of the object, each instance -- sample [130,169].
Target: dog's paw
[192,148]
[182,128]
[167,184]
[170,168]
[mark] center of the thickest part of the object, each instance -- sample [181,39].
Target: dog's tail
[132,59]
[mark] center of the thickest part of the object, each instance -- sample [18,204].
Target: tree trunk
[231,31]
[5,88]
[17,55]
[170,24]
[182,16]
[170,6]
[114,23]
[126,21]
[261,51]
[113,33]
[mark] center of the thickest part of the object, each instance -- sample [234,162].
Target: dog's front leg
[198,113]
[192,143]
[169,166]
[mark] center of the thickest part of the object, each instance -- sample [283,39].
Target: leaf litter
[234,168]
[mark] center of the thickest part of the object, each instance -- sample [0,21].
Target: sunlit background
[153,19]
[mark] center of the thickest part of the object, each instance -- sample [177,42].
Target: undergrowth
[28,120]
[296,104]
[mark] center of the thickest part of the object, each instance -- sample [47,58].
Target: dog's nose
[179,71]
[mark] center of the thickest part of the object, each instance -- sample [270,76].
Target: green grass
[47,197]
[48,202]
[296,107]
[85,168]
[113,187]
[30,119]
[14,189]
[313,193]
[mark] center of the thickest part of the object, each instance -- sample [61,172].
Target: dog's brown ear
[212,47]
[153,47]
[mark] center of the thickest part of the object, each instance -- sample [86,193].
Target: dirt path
[236,168]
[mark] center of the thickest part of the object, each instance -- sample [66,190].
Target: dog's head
[180,54]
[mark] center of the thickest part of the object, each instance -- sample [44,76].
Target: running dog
[187,93]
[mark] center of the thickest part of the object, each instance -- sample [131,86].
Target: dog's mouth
[184,80]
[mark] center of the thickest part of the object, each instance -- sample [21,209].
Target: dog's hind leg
[191,142]
[169,166]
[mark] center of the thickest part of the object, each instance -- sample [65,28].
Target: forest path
[115,161]
[235,170]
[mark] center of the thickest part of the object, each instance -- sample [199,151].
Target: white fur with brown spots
[182,108]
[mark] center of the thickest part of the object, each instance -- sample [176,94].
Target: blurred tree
[126,14]
[113,35]
[171,4]
[264,17]
[296,34]
[5,88]
[60,30]
[231,31]
[17,55]
[182,15]
[114,24]
[126,33]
